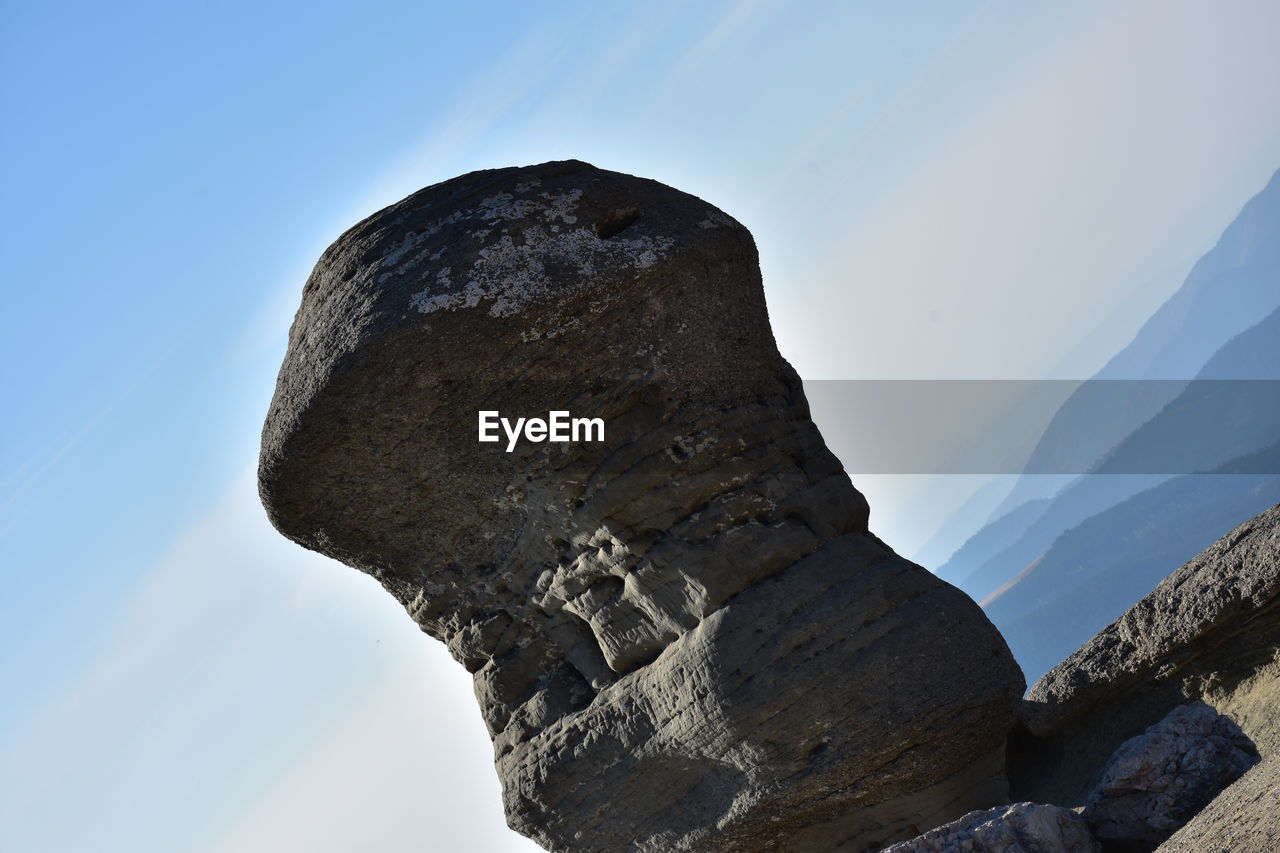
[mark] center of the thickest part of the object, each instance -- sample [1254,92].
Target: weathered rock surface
[1017,828]
[1157,781]
[1245,818]
[1211,631]
[683,637]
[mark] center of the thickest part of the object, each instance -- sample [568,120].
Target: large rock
[683,637]
[1017,828]
[1157,781]
[1245,818]
[1211,631]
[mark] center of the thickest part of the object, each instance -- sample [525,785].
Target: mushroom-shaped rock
[682,634]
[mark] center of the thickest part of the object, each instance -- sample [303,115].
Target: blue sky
[938,190]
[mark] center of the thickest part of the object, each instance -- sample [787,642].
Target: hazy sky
[937,189]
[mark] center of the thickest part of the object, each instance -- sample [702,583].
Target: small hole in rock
[614,223]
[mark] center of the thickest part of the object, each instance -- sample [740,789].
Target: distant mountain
[1019,545]
[1254,354]
[1189,427]
[1098,569]
[1227,292]
[988,542]
[1231,410]
[1055,599]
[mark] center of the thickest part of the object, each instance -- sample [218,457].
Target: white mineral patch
[562,206]
[511,271]
[505,206]
[414,241]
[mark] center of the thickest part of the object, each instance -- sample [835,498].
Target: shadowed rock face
[682,637]
[1245,818]
[1157,781]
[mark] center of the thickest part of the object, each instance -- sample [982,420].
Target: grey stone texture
[1157,781]
[1016,828]
[1210,631]
[683,637]
[1245,818]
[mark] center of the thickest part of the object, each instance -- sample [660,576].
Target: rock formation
[1244,818]
[682,637]
[1017,828]
[1157,781]
[1211,631]
[1151,786]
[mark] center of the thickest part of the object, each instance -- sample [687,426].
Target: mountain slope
[1226,293]
[1231,410]
[1097,570]
[1094,571]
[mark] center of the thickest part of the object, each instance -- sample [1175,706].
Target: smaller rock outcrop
[1245,818]
[1211,631]
[1159,780]
[1016,828]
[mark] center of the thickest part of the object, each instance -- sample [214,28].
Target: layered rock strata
[683,637]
